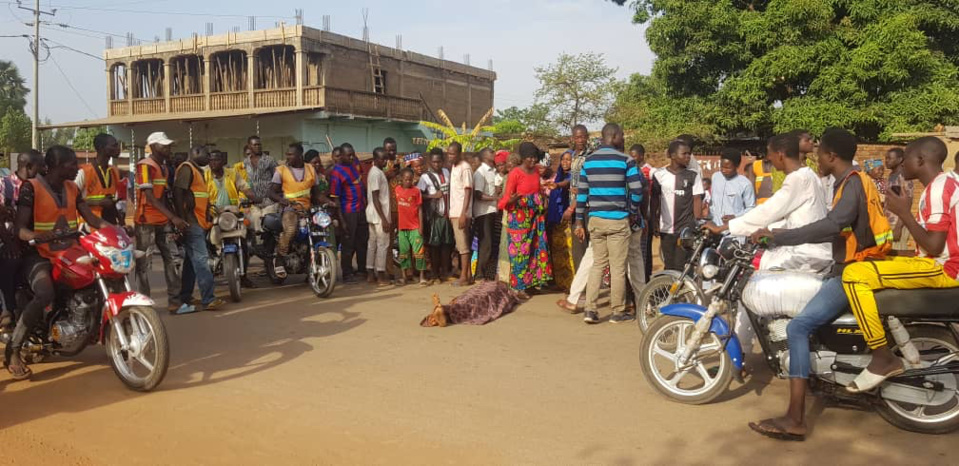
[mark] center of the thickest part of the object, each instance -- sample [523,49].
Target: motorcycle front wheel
[323,273]
[231,269]
[936,345]
[142,365]
[704,377]
[655,292]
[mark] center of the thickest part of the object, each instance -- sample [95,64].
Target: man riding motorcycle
[859,231]
[225,188]
[294,185]
[48,204]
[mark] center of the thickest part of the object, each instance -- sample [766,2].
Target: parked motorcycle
[669,286]
[94,304]
[227,245]
[311,250]
[690,355]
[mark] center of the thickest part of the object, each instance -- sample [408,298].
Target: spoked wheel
[231,269]
[703,378]
[655,292]
[142,364]
[937,346]
[323,273]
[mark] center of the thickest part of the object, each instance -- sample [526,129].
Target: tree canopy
[876,67]
[13,92]
[575,89]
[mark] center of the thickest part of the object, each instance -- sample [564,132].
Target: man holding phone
[901,187]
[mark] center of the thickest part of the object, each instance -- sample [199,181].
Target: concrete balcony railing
[341,101]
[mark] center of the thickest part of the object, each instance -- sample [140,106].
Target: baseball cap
[159,138]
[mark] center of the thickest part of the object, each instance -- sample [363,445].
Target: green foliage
[15,131]
[575,89]
[13,92]
[58,136]
[532,121]
[876,67]
[83,139]
[480,137]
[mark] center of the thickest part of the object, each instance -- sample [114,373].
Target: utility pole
[35,141]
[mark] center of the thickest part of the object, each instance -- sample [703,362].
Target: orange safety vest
[297,191]
[50,213]
[146,214]
[201,196]
[764,181]
[878,223]
[97,190]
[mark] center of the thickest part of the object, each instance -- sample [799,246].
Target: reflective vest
[878,223]
[50,214]
[97,190]
[229,182]
[201,197]
[764,181]
[297,191]
[146,214]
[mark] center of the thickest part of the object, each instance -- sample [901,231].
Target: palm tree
[13,92]
[474,140]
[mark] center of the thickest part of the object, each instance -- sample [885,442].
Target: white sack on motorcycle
[780,293]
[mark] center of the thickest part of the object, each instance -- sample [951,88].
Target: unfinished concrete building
[291,83]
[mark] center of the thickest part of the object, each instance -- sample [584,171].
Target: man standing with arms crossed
[611,187]
[152,216]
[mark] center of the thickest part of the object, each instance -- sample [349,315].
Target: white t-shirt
[676,192]
[376,181]
[427,186]
[460,179]
[484,181]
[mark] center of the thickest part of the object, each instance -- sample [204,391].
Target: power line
[75,91]
[64,46]
[170,13]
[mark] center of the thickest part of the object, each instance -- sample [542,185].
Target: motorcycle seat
[925,302]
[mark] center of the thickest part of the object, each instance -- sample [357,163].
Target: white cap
[159,138]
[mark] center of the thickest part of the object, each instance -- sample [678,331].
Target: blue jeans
[828,303]
[196,266]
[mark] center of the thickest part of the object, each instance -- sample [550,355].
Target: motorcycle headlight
[121,260]
[322,219]
[728,247]
[709,262]
[228,221]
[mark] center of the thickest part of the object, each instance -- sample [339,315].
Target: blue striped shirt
[610,186]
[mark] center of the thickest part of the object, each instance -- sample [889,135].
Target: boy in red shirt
[408,202]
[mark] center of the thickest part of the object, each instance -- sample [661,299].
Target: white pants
[578,287]
[377,248]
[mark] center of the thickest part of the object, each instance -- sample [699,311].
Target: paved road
[285,378]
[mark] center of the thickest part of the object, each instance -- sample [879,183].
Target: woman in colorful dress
[558,225]
[525,207]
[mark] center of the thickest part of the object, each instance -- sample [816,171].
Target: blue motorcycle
[311,249]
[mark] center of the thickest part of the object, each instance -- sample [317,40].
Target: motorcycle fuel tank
[780,293]
[68,272]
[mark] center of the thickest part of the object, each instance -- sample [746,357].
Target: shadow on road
[266,330]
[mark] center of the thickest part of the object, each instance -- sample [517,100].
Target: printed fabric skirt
[560,258]
[528,247]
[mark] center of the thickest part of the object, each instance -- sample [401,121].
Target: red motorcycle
[94,304]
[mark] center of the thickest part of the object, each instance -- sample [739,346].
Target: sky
[517,35]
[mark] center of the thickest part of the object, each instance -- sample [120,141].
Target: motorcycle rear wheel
[655,292]
[323,273]
[934,342]
[149,348]
[702,380]
[231,269]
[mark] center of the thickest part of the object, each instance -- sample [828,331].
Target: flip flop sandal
[566,306]
[770,428]
[424,283]
[24,373]
[867,381]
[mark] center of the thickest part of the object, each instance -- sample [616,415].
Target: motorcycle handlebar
[60,235]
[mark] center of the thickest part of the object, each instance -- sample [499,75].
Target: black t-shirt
[184,180]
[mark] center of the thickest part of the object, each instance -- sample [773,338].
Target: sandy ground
[286,378]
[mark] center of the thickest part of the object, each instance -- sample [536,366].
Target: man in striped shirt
[347,187]
[611,188]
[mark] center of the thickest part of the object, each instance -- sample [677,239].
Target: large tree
[576,89]
[13,92]
[874,66]
[15,131]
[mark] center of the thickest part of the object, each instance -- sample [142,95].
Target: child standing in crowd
[378,217]
[678,191]
[732,193]
[410,236]
[435,185]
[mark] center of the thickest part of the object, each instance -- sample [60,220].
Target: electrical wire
[75,91]
[60,45]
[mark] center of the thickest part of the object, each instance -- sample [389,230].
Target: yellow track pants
[861,279]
